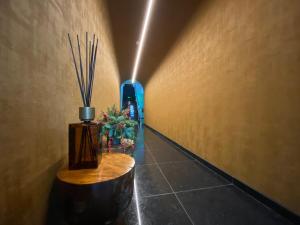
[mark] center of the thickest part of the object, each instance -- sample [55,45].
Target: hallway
[173,188]
[217,84]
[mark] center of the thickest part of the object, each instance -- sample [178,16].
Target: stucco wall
[39,96]
[230,90]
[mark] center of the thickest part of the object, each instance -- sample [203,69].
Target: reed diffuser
[84,141]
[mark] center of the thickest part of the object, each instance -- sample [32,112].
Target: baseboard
[294,218]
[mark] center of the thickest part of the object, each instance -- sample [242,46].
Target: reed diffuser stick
[81,70]
[93,72]
[76,69]
[86,61]
[85,82]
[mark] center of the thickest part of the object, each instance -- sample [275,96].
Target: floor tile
[142,157]
[162,210]
[227,206]
[139,142]
[151,138]
[164,155]
[150,181]
[190,175]
[139,146]
[157,146]
[152,145]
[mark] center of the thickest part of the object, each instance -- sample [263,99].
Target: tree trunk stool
[97,196]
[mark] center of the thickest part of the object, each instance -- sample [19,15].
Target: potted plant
[117,127]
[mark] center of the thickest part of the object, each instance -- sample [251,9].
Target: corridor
[172,188]
[215,85]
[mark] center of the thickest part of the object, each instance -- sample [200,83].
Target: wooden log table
[97,196]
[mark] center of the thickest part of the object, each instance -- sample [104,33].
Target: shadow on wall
[54,212]
[168,21]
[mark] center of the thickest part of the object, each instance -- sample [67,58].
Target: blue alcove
[133,92]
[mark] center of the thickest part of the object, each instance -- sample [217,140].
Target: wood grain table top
[112,166]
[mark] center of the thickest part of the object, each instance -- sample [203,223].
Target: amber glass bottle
[84,145]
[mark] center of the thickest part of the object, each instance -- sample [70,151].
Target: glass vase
[84,145]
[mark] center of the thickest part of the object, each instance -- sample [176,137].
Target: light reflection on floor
[137,203]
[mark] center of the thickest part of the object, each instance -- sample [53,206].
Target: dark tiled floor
[171,188]
[226,205]
[190,175]
[167,155]
[150,181]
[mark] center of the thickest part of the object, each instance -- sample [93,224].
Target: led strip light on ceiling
[142,39]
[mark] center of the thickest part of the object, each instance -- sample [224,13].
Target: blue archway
[139,95]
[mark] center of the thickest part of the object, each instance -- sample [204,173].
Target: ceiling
[169,17]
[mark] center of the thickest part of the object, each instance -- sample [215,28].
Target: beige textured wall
[39,96]
[230,90]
